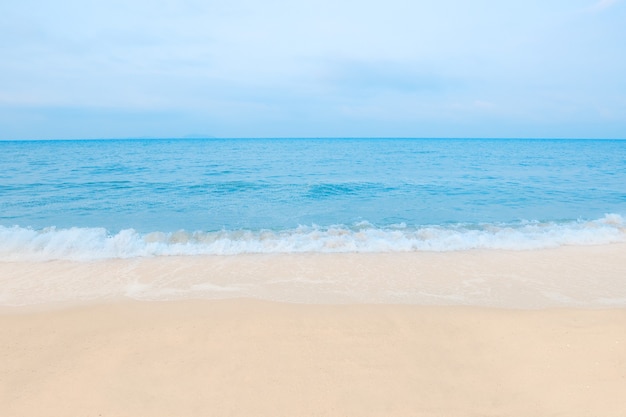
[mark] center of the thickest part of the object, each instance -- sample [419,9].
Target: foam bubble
[18,243]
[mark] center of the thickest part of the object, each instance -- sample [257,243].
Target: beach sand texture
[247,357]
[570,276]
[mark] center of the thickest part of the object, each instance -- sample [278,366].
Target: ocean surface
[99,199]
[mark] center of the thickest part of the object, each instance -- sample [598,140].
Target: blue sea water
[124,198]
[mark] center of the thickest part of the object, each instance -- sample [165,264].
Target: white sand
[78,347]
[576,276]
[254,358]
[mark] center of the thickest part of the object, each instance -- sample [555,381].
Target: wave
[84,244]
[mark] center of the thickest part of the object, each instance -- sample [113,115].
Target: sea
[84,200]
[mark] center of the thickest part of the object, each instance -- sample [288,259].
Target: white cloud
[306,64]
[602,5]
[483,104]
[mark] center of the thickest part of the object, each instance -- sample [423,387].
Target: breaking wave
[84,244]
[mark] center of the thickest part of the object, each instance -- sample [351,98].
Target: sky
[312,68]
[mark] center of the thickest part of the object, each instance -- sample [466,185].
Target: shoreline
[532,339]
[253,357]
[569,276]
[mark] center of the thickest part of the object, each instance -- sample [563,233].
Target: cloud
[313,67]
[483,104]
[602,5]
[372,78]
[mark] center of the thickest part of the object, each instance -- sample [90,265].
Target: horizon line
[209,137]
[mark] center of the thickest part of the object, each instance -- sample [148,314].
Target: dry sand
[257,358]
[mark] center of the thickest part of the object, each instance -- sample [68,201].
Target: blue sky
[323,68]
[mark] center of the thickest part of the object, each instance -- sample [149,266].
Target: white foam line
[84,244]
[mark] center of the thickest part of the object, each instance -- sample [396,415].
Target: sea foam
[84,244]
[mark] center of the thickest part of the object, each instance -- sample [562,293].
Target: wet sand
[571,276]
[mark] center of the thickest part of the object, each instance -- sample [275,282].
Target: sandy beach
[244,357]
[114,346]
[568,276]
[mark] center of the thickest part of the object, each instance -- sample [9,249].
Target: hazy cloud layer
[312,68]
